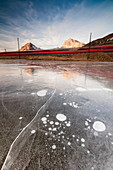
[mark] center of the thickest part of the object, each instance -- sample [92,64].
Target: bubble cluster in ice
[56,123]
[68,124]
[69,143]
[86,123]
[83,145]
[44,119]
[95,133]
[33,93]
[109,134]
[20,118]
[42,93]
[82,140]
[33,131]
[99,126]
[51,122]
[61,117]
[88,151]
[73,104]
[54,147]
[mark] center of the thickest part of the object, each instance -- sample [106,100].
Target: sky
[48,23]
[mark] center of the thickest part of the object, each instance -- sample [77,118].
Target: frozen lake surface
[56,115]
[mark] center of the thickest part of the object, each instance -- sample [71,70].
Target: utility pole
[89,45]
[88,57]
[18,47]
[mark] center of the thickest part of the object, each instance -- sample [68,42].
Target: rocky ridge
[71,43]
[107,40]
[29,46]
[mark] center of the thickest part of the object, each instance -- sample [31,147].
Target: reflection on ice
[80,89]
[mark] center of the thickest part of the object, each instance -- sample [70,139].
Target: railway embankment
[97,56]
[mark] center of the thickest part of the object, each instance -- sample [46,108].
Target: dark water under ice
[56,115]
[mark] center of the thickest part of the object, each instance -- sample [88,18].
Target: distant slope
[71,43]
[29,46]
[102,41]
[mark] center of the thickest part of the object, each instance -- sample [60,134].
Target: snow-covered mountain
[71,43]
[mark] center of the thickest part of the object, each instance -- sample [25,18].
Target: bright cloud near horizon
[48,23]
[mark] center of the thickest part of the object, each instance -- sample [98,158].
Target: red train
[99,47]
[108,48]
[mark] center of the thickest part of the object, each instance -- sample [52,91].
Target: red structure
[108,48]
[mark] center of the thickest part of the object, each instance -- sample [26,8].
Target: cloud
[76,22]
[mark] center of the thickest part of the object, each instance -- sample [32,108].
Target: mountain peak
[71,43]
[29,46]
